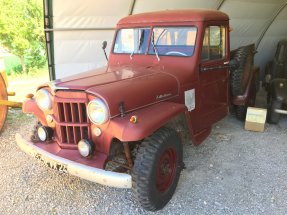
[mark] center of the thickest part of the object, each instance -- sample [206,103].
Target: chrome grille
[72,121]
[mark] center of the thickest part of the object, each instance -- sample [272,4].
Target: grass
[33,74]
[16,114]
[23,84]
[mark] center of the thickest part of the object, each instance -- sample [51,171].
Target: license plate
[51,163]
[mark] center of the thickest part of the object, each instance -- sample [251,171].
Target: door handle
[206,69]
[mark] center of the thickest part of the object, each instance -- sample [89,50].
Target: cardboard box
[255,119]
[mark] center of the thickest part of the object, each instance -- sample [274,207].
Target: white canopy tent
[75,29]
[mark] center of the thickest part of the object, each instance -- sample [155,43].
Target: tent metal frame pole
[273,18]
[49,37]
[220,4]
[78,29]
[132,6]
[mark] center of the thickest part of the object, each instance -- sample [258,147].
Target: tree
[21,31]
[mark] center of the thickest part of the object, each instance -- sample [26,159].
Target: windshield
[175,41]
[165,41]
[132,41]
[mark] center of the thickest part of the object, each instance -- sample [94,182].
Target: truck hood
[96,77]
[134,88]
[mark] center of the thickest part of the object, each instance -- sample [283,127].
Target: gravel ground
[233,172]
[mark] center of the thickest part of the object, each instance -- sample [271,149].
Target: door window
[213,46]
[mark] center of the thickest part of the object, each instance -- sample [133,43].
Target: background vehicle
[4,103]
[276,83]
[168,72]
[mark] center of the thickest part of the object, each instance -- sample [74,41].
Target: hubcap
[166,169]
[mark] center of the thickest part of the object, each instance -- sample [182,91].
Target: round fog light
[45,133]
[49,118]
[97,132]
[86,148]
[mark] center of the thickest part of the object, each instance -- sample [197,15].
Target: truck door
[213,75]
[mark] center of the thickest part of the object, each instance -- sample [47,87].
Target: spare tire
[239,76]
[3,96]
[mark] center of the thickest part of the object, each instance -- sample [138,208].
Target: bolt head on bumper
[100,176]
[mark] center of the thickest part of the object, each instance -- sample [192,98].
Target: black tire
[272,116]
[240,112]
[235,79]
[244,55]
[157,169]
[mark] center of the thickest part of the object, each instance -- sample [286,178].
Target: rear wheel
[3,108]
[157,169]
[240,112]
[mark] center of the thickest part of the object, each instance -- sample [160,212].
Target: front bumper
[100,176]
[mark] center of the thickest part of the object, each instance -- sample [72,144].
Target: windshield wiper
[140,44]
[154,48]
[141,40]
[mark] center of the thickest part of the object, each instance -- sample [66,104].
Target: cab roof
[169,16]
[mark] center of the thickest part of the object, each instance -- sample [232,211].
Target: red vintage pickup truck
[121,125]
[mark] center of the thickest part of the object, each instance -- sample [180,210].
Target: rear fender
[149,119]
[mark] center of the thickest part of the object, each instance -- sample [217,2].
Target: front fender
[30,106]
[149,120]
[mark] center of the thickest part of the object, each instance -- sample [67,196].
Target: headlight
[43,99]
[98,111]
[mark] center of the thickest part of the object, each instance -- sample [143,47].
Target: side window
[213,46]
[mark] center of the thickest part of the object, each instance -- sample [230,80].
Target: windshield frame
[151,28]
[173,26]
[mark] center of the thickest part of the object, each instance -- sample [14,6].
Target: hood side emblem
[163,96]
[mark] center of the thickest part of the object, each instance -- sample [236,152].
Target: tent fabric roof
[81,25]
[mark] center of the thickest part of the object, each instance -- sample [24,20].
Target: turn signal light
[29,96]
[134,119]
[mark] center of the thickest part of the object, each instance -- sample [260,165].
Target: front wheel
[157,169]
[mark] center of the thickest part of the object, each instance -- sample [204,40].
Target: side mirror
[104,45]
